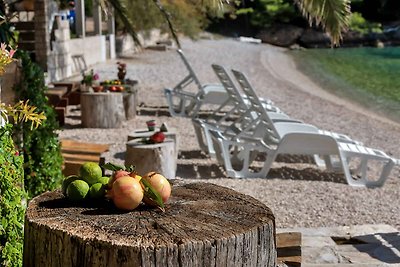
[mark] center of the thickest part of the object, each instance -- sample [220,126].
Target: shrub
[12,197]
[41,148]
[361,25]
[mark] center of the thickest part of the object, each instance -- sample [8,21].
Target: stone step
[356,245]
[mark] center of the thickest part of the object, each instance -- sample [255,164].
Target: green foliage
[267,12]
[41,148]
[188,17]
[22,112]
[361,25]
[12,197]
[366,75]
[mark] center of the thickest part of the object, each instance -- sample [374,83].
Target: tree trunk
[161,158]
[102,110]
[203,225]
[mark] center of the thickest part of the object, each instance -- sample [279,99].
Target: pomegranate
[116,175]
[126,193]
[160,185]
[158,137]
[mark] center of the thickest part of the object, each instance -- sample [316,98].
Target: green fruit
[97,191]
[67,181]
[104,180]
[90,172]
[77,190]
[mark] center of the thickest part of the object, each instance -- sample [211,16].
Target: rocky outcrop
[289,35]
[281,35]
[312,38]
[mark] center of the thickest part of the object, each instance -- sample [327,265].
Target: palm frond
[121,10]
[167,17]
[333,15]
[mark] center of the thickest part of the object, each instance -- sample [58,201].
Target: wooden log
[203,225]
[102,110]
[160,158]
[145,133]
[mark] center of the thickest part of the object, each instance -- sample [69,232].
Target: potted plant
[88,80]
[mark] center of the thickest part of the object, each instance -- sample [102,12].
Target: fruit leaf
[131,168]
[113,167]
[152,194]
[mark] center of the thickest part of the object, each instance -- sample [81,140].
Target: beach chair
[202,126]
[184,103]
[361,166]
[244,84]
[233,121]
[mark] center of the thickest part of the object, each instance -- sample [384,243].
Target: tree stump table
[203,225]
[145,133]
[106,109]
[161,157]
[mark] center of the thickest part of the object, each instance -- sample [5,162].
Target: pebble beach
[299,194]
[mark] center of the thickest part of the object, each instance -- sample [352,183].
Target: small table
[203,225]
[106,109]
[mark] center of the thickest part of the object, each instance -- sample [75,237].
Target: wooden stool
[160,157]
[144,133]
[76,153]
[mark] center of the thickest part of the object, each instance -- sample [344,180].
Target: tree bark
[102,110]
[203,225]
[161,158]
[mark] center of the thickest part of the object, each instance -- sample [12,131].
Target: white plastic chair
[202,126]
[183,103]
[234,121]
[297,138]
[251,97]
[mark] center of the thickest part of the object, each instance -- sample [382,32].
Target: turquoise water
[369,76]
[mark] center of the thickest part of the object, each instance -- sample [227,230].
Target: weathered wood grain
[102,110]
[204,225]
[160,157]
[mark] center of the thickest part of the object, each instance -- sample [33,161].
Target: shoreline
[283,67]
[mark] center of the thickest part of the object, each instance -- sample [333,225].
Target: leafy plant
[267,12]
[89,78]
[12,196]
[22,112]
[41,148]
[360,24]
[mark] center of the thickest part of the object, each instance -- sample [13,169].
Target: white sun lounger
[281,138]
[184,103]
[235,120]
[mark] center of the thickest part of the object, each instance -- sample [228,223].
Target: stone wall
[125,45]
[93,49]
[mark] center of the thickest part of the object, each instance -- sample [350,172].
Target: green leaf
[113,167]
[152,194]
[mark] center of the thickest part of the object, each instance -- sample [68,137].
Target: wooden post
[160,157]
[80,23]
[97,18]
[203,225]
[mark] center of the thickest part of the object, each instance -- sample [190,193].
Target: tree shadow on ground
[306,174]
[192,154]
[384,247]
[195,171]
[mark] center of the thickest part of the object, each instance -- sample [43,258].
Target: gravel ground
[299,194]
